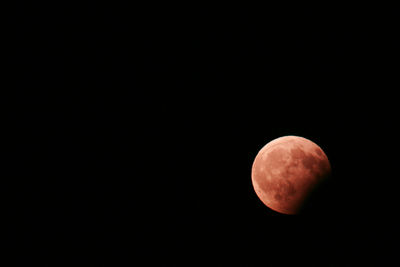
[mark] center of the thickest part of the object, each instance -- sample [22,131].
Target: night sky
[138,127]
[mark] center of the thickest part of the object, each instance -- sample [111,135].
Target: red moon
[286,171]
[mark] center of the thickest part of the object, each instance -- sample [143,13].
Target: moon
[286,171]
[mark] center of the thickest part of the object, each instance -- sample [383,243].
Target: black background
[136,128]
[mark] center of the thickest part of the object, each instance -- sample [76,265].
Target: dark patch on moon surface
[319,151]
[297,153]
[308,160]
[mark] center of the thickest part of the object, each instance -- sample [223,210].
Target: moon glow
[286,171]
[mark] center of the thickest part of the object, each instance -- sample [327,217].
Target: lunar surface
[286,171]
